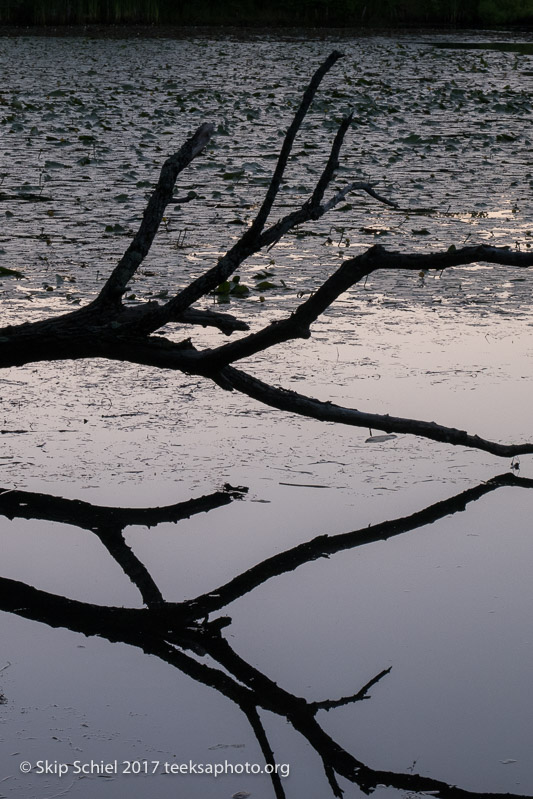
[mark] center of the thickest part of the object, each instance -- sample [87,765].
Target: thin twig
[362,694]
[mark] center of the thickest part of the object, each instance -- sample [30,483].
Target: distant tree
[495,12]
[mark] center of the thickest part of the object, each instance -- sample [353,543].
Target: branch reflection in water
[182,635]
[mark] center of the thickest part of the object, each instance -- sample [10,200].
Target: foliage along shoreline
[268,13]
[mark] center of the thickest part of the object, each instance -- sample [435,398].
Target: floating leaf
[239,290]
[239,173]
[54,165]
[223,288]
[5,272]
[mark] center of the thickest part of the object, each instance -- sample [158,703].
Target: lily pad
[5,272]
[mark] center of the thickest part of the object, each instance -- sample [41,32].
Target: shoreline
[131,31]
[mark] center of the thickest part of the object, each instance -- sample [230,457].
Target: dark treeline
[349,13]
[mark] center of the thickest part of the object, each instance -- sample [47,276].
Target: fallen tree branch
[275,183]
[153,215]
[108,329]
[285,400]
[225,322]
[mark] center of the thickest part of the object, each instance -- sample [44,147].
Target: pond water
[444,602]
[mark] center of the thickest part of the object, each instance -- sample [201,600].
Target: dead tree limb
[106,328]
[285,400]
[131,260]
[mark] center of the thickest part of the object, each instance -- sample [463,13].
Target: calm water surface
[85,125]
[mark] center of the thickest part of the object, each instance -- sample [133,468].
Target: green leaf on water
[239,173]
[5,272]
[239,290]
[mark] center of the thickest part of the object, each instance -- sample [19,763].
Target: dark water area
[191,578]
[502,47]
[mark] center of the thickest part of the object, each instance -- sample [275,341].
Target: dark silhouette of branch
[108,524]
[285,400]
[329,704]
[259,731]
[30,505]
[179,633]
[106,328]
[225,322]
[307,99]
[155,210]
[323,546]
[113,540]
[244,684]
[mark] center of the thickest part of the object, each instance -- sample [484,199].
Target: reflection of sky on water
[148,429]
[446,606]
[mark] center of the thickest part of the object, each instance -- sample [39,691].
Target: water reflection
[183,635]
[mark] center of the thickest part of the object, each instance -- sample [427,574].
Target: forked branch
[108,329]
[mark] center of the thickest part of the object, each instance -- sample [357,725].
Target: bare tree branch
[139,247]
[309,212]
[297,325]
[30,505]
[362,694]
[332,164]
[285,400]
[332,779]
[250,242]
[107,329]
[503,256]
[108,524]
[307,99]
[225,322]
